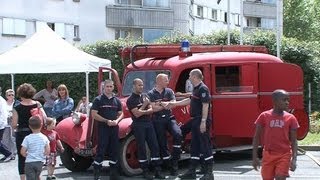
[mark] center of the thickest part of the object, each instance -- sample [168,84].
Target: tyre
[73,161]
[129,156]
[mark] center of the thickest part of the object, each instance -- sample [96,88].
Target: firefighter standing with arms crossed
[164,121]
[143,131]
[200,130]
[107,110]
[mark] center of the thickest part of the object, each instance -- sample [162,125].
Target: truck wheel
[129,156]
[73,161]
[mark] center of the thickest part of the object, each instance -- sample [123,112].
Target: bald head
[137,81]
[161,76]
[278,94]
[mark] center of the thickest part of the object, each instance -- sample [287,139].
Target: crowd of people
[32,138]
[27,127]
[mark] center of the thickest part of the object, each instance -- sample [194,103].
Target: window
[122,33]
[14,26]
[150,35]
[76,33]
[199,11]
[214,14]
[269,1]
[227,78]
[157,3]
[258,22]
[267,23]
[254,22]
[60,29]
[122,1]
[237,19]
[225,17]
[148,77]
[51,26]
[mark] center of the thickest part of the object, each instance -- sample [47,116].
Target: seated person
[82,105]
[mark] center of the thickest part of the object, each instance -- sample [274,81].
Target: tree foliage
[300,19]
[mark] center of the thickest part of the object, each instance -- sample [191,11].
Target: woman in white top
[48,96]
[8,137]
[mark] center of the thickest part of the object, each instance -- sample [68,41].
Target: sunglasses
[10,95]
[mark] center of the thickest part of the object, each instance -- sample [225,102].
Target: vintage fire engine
[241,80]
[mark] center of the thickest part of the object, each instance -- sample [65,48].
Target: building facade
[88,21]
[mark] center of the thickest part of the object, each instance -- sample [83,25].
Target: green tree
[298,19]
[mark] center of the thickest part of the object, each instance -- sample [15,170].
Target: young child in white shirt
[35,147]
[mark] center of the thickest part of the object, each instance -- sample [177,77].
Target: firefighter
[107,111]
[143,131]
[163,122]
[200,128]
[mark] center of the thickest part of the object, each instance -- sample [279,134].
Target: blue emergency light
[185,46]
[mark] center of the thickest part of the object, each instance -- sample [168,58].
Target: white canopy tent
[47,52]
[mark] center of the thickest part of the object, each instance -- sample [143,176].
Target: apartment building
[88,21]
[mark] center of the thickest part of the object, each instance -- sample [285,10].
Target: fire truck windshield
[148,77]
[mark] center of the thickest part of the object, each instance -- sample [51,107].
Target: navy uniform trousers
[200,143]
[162,125]
[107,140]
[143,131]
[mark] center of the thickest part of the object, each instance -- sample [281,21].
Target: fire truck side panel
[284,76]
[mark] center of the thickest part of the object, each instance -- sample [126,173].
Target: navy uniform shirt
[200,94]
[107,108]
[136,101]
[166,95]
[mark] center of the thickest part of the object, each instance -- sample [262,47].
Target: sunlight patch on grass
[311,139]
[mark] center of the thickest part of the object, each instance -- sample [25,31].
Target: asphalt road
[230,166]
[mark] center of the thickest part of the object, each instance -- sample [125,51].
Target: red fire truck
[240,78]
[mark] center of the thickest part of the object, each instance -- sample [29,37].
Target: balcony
[259,9]
[139,17]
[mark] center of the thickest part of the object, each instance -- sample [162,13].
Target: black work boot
[114,174]
[158,174]
[208,175]
[190,174]
[174,168]
[147,175]
[96,174]
[202,169]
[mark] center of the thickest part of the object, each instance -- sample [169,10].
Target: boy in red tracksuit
[55,142]
[278,129]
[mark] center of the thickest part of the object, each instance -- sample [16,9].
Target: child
[35,147]
[54,142]
[278,129]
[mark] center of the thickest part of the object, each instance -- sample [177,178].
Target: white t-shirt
[35,145]
[47,96]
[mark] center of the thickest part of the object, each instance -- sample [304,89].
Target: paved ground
[233,166]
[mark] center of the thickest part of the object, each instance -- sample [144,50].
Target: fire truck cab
[241,80]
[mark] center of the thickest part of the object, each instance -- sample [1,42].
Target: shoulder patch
[203,95]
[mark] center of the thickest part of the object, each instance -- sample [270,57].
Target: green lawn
[311,139]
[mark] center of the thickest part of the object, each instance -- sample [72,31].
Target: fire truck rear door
[285,76]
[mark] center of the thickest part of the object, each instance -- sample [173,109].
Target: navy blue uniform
[200,142]
[143,131]
[164,122]
[107,135]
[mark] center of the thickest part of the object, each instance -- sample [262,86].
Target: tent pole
[87,91]
[12,81]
